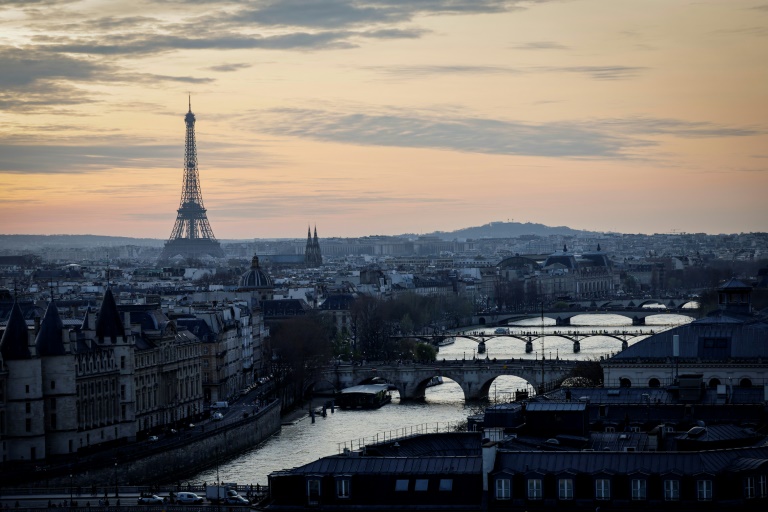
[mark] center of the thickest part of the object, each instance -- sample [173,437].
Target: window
[749,487]
[28,425]
[602,489]
[503,489]
[401,485]
[638,488]
[763,486]
[53,384]
[421,484]
[565,489]
[704,490]
[122,361]
[53,420]
[28,407]
[534,488]
[446,484]
[342,488]
[313,491]
[671,490]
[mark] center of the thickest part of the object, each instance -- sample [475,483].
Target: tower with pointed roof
[59,383]
[312,255]
[24,436]
[192,236]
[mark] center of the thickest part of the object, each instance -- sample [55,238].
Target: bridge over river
[563,317]
[529,337]
[475,376]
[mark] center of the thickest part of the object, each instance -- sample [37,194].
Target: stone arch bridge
[474,376]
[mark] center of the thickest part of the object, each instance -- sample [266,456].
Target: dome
[255,277]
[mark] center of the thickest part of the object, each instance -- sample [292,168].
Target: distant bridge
[634,310]
[475,377]
[529,337]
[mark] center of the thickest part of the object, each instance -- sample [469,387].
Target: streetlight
[116,491]
[70,490]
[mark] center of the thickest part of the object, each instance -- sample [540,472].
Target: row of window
[753,487]
[713,382]
[344,485]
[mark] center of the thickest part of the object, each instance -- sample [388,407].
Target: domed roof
[255,278]
[565,258]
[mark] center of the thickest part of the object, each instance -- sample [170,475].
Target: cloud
[56,159]
[426,70]
[677,128]
[599,72]
[470,134]
[540,45]
[618,139]
[595,72]
[227,68]
[331,14]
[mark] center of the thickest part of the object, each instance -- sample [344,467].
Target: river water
[444,406]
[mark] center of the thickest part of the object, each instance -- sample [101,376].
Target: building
[726,348]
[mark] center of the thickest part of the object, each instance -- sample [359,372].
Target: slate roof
[49,341]
[198,327]
[686,463]
[443,444]
[14,344]
[747,337]
[363,465]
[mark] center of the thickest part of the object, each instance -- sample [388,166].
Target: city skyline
[376,117]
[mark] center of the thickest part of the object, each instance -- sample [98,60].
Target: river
[305,441]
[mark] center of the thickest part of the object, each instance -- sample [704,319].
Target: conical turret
[49,341]
[15,341]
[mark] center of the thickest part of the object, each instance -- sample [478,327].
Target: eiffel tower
[192,236]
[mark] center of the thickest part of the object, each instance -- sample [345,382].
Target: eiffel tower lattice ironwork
[192,236]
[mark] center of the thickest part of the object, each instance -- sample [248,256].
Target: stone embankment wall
[175,463]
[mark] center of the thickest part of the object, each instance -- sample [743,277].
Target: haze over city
[376,117]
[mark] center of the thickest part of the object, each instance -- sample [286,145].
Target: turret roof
[15,341]
[109,324]
[48,340]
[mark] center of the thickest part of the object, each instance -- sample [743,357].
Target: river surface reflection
[304,441]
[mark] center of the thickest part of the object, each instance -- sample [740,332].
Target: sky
[382,117]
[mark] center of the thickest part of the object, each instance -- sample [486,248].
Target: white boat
[446,341]
[435,381]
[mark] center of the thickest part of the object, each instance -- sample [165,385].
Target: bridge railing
[399,433]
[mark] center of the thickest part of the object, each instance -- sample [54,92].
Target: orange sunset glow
[383,117]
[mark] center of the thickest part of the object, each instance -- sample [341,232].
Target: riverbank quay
[107,498]
[167,460]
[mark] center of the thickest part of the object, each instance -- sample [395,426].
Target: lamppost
[71,476]
[116,491]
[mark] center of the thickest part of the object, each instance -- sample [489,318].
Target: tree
[300,347]
[586,373]
[425,352]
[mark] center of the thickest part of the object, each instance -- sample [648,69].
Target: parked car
[188,498]
[153,438]
[217,416]
[237,500]
[150,499]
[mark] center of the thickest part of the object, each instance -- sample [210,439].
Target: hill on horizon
[509,230]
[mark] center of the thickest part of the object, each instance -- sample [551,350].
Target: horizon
[376,117]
